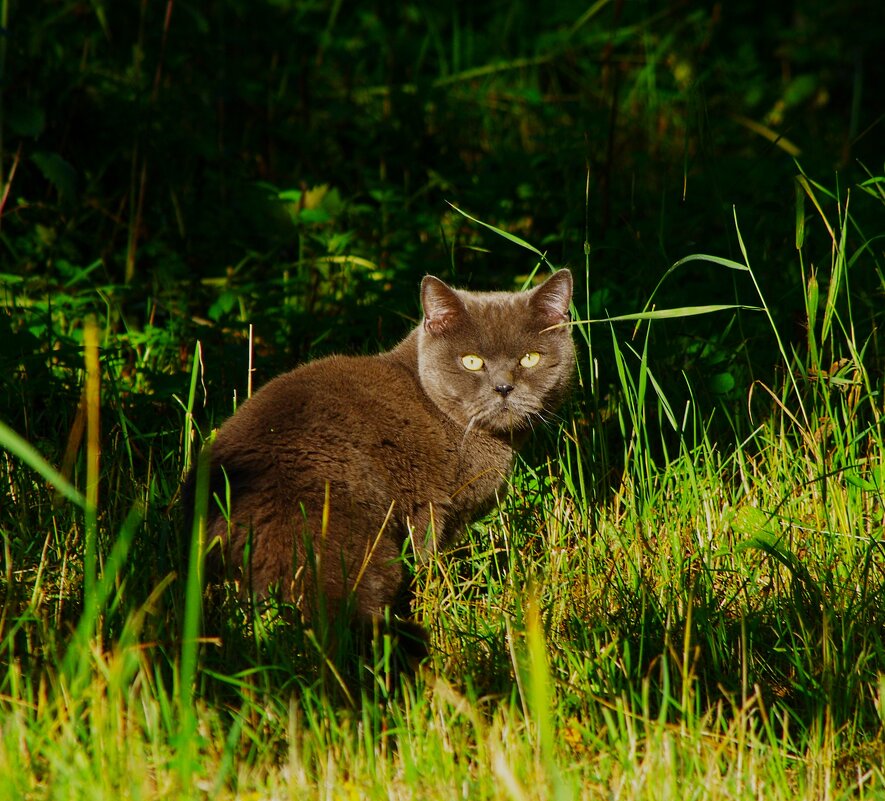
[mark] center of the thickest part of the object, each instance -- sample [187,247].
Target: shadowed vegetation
[683,592]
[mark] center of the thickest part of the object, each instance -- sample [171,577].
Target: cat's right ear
[441,304]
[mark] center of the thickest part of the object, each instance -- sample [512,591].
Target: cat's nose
[504,389]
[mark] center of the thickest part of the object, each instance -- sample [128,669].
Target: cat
[321,481]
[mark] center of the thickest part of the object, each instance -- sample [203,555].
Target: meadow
[682,595]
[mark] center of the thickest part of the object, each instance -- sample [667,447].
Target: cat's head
[498,361]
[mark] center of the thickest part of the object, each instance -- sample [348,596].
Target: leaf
[60,173]
[315,197]
[721,383]
[314,216]
[222,305]
[26,119]
[800,89]
[754,524]
[599,299]
[862,483]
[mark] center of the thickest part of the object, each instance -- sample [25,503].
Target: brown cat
[333,469]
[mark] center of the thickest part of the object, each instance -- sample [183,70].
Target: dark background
[183,169]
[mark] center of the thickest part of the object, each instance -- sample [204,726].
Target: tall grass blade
[669,314]
[777,336]
[505,234]
[93,452]
[806,186]
[704,257]
[835,277]
[541,700]
[800,216]
[193,611]
[189,426]
[77,662]
[21,448]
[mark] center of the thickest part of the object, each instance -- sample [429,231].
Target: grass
[681,596]
[676,615]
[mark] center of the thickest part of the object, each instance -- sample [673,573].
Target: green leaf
[863,483]
[60,173]
[26,119]
[314,216]
[222,306]
[800,89]
[754,524]
[721,383]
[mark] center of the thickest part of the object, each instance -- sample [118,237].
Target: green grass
[683,593]
[704,619]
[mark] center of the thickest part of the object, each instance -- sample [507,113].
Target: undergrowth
[680,596]
[705,615]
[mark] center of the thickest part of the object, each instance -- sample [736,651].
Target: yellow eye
[472,362]
[530,359]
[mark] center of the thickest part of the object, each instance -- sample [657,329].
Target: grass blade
[93,453]
[76,664]
[669,314]
[193,612]
[20,447]
[506,234]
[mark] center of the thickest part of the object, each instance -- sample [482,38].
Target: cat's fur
[331,467]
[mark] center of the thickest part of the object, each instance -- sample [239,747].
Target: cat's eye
[472,362]
[530,359]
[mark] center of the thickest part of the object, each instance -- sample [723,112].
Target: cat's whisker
[467,431]
[547,415]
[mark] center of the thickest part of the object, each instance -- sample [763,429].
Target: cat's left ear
[441,304]
[553,297]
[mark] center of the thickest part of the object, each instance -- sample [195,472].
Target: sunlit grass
[706,620]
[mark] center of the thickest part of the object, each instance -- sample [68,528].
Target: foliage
[682,593]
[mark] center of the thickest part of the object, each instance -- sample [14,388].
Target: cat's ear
[441,304]
[553,297]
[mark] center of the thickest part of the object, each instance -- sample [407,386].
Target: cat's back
[342,402]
